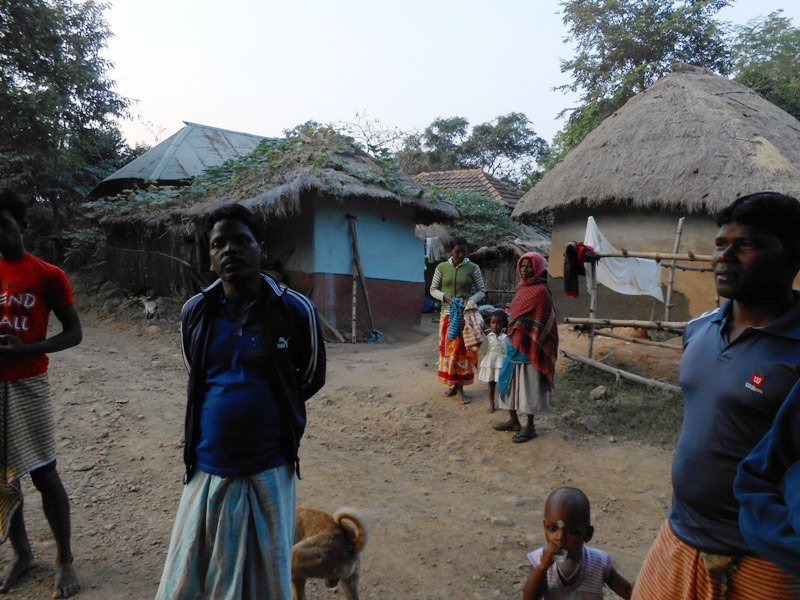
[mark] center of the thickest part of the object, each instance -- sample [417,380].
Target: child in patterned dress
[493,361]
[566,569]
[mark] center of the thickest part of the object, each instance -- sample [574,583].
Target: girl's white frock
[493,361]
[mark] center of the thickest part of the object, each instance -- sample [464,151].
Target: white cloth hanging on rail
[632,276]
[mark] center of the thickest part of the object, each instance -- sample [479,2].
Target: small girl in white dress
[493,361]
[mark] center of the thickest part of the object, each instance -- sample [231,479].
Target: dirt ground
[453,506]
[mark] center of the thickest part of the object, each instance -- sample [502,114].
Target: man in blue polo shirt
[739,364]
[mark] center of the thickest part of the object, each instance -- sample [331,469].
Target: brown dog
[327,547]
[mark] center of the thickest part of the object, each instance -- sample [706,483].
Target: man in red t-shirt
[29,289]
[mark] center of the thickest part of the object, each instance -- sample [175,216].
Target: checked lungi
[673,570]
[27,439]
[232,538]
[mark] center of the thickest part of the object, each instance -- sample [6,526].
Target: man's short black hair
[459,241]
[768,212]
[11,201]
[236,212]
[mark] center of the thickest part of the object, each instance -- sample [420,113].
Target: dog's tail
[355,526]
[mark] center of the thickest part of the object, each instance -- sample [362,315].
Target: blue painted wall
[386,240]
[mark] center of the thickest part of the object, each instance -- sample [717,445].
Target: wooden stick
[620,373]
[624,323]
[360,271]
[655,255]
[687,267]
[644,342]
[671,277]
[592,306]
[353,325]
[331,328]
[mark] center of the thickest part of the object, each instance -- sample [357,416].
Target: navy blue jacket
[295,360]
[768,489]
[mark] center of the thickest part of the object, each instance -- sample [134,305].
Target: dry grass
[693,141]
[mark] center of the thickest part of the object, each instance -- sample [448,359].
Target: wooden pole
[655,255]
[354,323]
[634,340]
[592,306]
[360,271]
[671,277]
[331,328]
[620,373]
[687,267]
[626,323]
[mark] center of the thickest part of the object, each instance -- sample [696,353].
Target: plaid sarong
[232,538]
[27,439]
[673,570]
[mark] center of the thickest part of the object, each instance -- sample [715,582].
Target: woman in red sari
[526,379]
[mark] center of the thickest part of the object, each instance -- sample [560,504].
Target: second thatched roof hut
[687,146]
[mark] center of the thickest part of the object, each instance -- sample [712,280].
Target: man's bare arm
[11,347]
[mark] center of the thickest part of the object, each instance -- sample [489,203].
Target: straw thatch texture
[693,141]
[272,180]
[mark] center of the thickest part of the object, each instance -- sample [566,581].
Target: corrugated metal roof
[182,156]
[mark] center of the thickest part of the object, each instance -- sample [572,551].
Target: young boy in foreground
[566,568]
[29,290]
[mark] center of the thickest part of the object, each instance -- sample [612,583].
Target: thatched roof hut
[687,146]
[279,173]
[693,142]
[303,188]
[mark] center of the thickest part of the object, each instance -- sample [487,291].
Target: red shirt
[29,289]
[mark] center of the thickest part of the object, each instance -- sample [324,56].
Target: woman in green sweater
[456,278]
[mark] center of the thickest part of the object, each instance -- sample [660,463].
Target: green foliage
[484,221]
[506,147]
[766,57]
[57,105]
[318,149]
[623,46]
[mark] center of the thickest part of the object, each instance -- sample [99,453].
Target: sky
[262,66]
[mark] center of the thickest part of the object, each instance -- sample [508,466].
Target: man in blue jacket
[768,488]
[739,364]
[255,354]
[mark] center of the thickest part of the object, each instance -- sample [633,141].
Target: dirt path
[453,506]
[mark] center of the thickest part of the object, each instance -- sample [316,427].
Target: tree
[507,147]
[766,57]
[623,46]
[375,138]
[58,134]
[438,148]
[484,221]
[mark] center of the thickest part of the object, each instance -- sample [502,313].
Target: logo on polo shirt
[755,384]
[283,343]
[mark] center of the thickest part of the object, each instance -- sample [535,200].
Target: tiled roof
[475,180]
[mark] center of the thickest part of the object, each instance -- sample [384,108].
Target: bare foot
[526,433]
[18,566]
[462,397]
[452,391]
[66,581]
[510,425]
[491,409]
